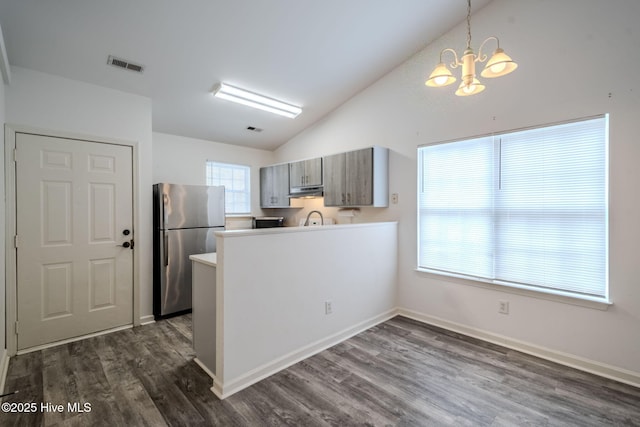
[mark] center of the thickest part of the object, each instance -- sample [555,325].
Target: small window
[236,180]
[525,208]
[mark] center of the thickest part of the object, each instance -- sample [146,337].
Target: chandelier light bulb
[499,64]
[498,68]
[440,80]
[472,88]
[441,76]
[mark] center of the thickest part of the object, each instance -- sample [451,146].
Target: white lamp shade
[472,89]
[498,65]
[441,76]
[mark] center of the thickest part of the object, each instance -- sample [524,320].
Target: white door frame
[11,304]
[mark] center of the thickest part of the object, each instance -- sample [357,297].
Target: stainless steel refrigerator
[185,218]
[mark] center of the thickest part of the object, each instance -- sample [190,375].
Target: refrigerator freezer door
[175,281]
[190,206]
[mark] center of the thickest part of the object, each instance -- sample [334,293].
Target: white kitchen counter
[271,297]
[203,318]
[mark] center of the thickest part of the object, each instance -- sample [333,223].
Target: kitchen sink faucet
[306,223]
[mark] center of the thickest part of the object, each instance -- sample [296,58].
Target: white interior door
[73,209]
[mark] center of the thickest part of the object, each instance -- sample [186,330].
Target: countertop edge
[313,228]
[210,259]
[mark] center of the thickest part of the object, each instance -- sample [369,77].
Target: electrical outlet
[503,307]
[328,307]
[394,198]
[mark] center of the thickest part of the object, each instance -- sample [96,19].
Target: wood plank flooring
[399,373]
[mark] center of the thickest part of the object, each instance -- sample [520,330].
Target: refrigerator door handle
[166,248]
[165,202]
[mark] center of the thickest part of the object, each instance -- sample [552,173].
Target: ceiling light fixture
[500,64]
[254,100]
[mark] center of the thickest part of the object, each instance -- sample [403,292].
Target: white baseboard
[74,339]
[147,320]
[593,367]
[4,368]
[224,389]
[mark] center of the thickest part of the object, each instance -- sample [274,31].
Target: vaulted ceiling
[315,54]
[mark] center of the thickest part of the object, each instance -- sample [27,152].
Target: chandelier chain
[468,24]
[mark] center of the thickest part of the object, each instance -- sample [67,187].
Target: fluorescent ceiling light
[254,100]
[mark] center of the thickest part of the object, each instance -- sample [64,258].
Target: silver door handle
[165,218]
[166,249]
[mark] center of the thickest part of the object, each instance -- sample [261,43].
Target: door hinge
[17,328]
[15,241]
[15,154]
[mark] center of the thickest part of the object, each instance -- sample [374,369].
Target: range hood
[300,192]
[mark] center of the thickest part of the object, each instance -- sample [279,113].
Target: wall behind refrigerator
[193,155]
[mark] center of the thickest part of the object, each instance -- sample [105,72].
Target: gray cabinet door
[305,173]
[313,171]
[334,180]
[359,177]
[274,186]
[296,174]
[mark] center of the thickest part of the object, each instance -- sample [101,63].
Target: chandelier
[500,64]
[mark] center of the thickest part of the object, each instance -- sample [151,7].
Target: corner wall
[53,103]
[566,53]
[4,361]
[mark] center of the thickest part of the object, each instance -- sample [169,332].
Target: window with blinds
[525,208]
[237,185]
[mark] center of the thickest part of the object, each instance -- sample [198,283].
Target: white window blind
[236,180]
[524,208]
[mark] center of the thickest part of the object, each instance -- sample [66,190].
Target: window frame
[592,301]
[230,191]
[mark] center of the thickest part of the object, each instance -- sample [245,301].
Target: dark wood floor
[399,373]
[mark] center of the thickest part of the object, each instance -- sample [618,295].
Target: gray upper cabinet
[305,173]
[357,178]
[274,186]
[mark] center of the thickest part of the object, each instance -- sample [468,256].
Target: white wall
[53,103]
[3,342]
[181,160]
[576,58]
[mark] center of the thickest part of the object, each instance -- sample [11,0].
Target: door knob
[127,244]
[126,232]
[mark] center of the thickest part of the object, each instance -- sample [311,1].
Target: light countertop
[312,228]
[210,259]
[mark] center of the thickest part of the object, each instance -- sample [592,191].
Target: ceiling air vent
[123,63]
[254,129]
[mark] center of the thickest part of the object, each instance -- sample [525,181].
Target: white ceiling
[313,53]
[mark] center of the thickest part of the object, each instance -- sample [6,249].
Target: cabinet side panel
[380,177]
